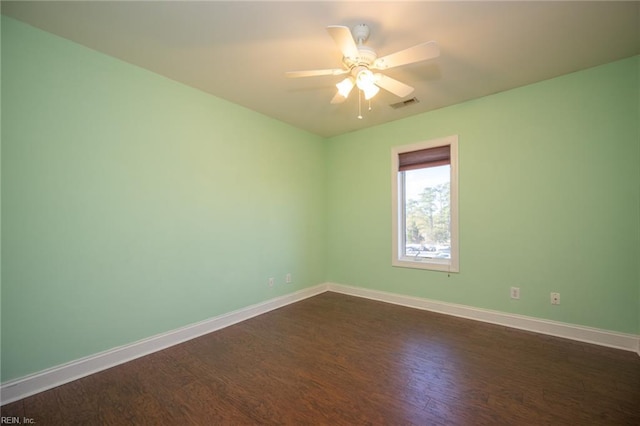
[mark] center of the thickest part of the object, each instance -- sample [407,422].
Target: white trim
[397,231]
[612,339]
[29,385]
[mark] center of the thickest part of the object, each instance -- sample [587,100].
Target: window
[425,205]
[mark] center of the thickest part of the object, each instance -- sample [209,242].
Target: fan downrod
[360,33]
[366,55]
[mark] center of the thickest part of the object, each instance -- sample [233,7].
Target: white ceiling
[240,50]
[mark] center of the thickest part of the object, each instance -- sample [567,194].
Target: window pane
[427,212]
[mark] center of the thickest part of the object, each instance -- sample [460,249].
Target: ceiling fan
[359,61]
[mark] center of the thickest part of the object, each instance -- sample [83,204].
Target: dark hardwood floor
[339,360]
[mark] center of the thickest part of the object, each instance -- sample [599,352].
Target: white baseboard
[612,339]
[29,385]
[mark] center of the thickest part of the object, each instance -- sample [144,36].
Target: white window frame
[397,188]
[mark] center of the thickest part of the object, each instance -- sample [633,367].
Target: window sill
[444,265]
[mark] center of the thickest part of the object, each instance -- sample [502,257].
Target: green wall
[133,205]
[549,201]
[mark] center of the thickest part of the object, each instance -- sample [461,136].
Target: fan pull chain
[369,104]
[359,105]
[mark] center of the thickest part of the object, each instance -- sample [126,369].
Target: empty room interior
[212,212]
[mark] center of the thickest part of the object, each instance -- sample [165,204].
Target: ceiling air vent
[404,103]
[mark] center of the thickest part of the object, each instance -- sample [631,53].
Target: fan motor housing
[366,56]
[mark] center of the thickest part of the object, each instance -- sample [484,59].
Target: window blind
[423,158]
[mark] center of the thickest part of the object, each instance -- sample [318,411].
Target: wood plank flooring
[339,360]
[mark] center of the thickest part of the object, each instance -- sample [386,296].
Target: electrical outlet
[515,292]
[287,279]
[271,281]
[555,298]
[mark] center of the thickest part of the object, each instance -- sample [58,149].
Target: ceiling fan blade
[338,99]
[394,86]
[343,38]
[420,52]
[315,73]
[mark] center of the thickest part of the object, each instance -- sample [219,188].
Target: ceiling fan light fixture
[345,87]
[370,91]
[365,79]
[358,60]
